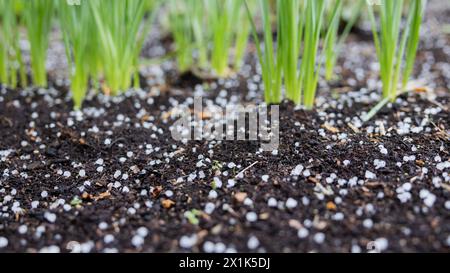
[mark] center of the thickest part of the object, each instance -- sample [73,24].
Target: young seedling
[396,49]
[11,63]
[243,29]
[76,23]
[336,41]
[118,23]
[299,33]
[206,35]
[185,19]
[222,18]
[38,16]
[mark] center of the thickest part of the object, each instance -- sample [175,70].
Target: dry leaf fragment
[216,229]
[86,196]
[240,196]
[264,216]
[156,191]
[102,195]
[330,128]
[422,89]
[167,203]
[204,115]
[331,206]
[313,180]
[420,163]
[295,224]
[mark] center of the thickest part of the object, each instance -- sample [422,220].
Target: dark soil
[380,186]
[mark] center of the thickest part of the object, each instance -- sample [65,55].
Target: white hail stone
[370,175]
[291,203]
[253,242]
[251,216]
[297,170]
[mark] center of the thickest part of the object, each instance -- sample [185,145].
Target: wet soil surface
[112,179]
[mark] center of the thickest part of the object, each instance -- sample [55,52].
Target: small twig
[246,169]
[354,128]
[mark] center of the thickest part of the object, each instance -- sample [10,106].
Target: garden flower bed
[110,178]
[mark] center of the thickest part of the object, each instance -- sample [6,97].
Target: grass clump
[295,59]
[230,33]
[335,43]
[11,62]
[76,23]
[118,23]
[38,15]
[103,40]
[209,35]
[396,48]
[185,19]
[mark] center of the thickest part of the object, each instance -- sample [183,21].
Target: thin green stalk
[242,30]
[269,60]
[11,63]
[180,26]
[330,46]
[396,48]
[118,23]
[38,16]
[291,26]
[5,11]
[196,18]
[299,33]
[22,67]
[313,27]
[151,8]
[76,23]
[414,39]
[222,17]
